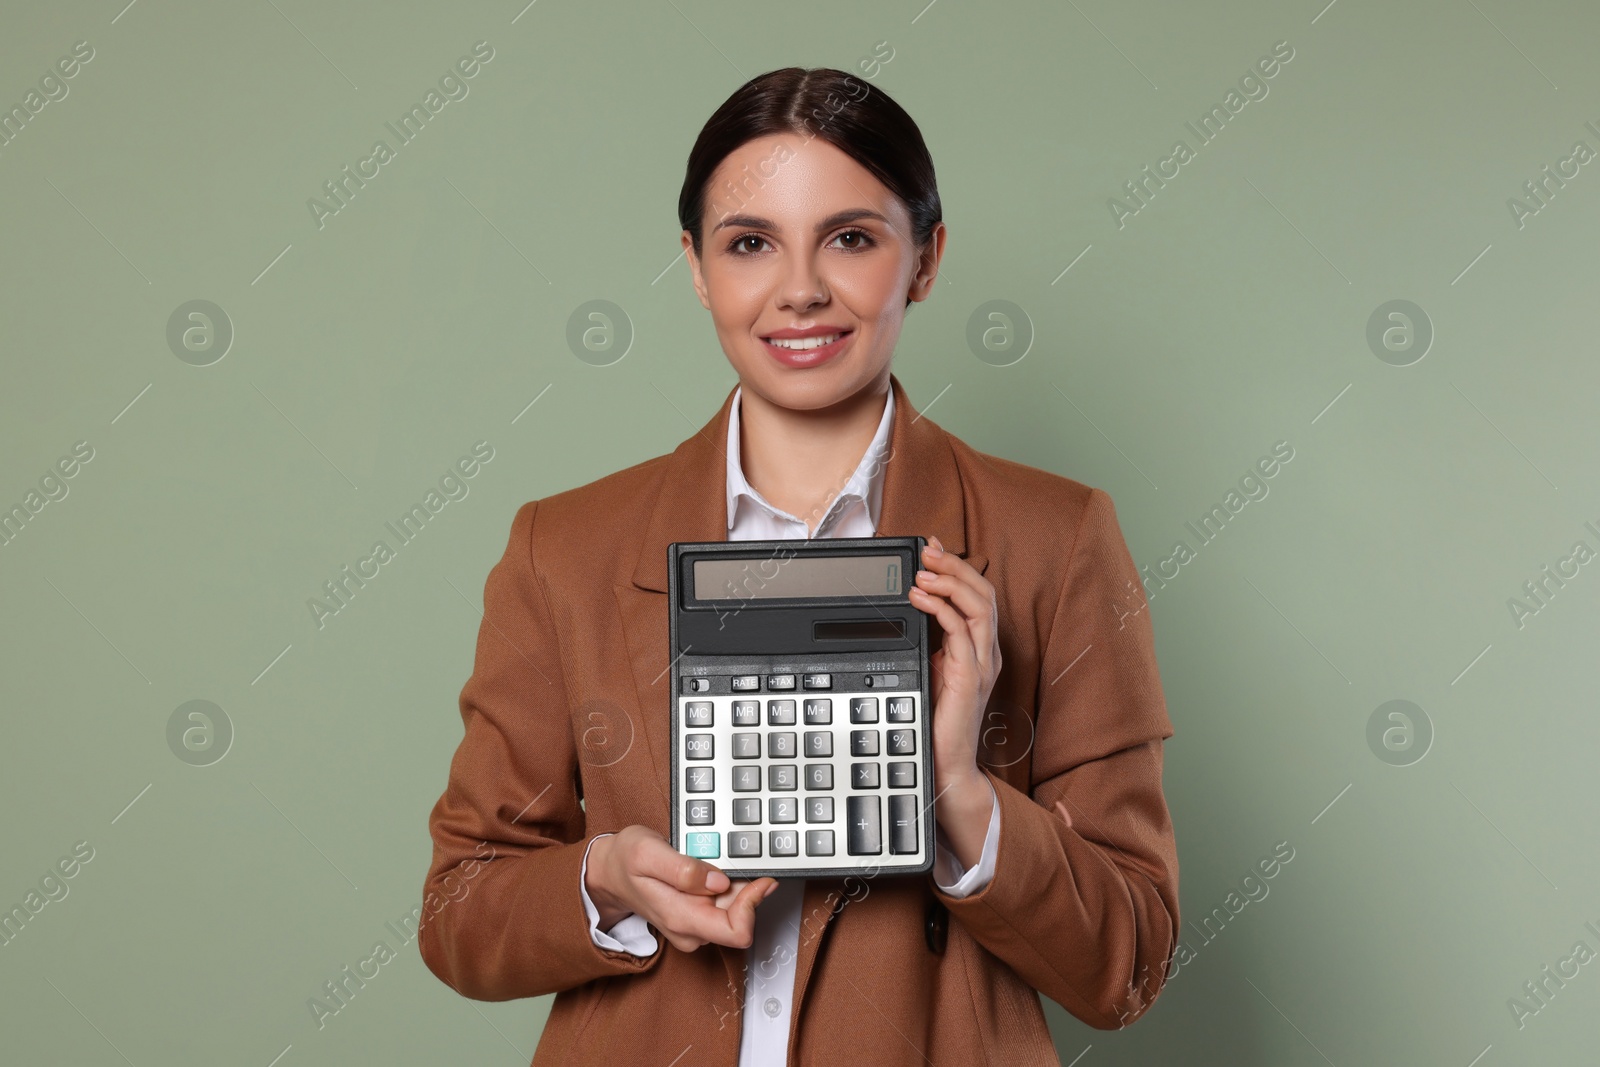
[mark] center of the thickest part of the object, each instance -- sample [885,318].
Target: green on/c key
[703,844]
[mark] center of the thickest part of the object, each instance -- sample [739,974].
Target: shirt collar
[864,484]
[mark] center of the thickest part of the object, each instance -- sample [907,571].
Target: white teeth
[801,344]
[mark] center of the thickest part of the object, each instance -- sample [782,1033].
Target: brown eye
[859,240]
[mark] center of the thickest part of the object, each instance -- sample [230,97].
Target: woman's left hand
[964,673]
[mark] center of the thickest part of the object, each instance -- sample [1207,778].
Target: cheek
[737,298]
[735,323]
[872,285]
[875,290]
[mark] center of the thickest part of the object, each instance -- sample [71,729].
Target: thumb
[696,875]
[682,872]
[742,910]
[656,858]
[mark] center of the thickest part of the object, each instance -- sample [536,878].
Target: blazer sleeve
[1088,915]
[503,913]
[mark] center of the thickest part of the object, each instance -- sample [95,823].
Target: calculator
[800,719]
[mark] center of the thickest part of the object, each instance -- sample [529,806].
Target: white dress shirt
[770,960]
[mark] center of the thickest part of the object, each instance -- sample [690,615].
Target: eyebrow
[838,218]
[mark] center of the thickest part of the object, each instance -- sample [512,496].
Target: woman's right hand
[635,871]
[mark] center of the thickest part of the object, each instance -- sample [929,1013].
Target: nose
[802,286]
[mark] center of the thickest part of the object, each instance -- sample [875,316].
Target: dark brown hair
[862,122]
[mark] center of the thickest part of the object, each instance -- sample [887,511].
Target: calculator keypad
[810,778]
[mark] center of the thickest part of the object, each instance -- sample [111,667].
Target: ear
[928,265]
[694,270]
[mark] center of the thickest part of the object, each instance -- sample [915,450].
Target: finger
[661,861]
[683,943]
[974,601]
[957,578]
[958,650]
[695,917]
[979,606]
[958,660]
[742,913]
[727,896]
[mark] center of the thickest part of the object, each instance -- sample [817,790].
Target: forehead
[792,180]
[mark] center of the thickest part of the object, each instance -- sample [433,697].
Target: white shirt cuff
[947,871]
[631,934]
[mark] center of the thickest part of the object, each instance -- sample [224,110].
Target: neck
[800,460]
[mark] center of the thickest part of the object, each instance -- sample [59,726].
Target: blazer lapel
[922,492]
[922,495]
[691,506]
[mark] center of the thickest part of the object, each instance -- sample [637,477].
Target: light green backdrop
[1231,312]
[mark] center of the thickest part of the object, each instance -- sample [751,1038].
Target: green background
[368,355]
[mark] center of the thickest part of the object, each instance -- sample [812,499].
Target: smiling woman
[811,222]
[812,269]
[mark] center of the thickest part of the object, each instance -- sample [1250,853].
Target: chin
[811,388]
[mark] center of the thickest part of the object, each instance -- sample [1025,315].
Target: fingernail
[711,878]
[771,889]
[934,549]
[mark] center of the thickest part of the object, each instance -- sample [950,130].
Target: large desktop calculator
[800,718]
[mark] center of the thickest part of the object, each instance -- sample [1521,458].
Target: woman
[811,223]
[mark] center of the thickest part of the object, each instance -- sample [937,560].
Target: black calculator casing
[720,639]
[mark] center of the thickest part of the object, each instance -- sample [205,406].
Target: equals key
[902,824]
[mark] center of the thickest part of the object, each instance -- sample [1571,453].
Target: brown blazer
[567,706]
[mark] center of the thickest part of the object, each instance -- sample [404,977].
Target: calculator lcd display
[885,629]
[797,577]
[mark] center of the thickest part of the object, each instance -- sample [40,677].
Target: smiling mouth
[804,344]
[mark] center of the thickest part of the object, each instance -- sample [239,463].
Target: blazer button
[937,926]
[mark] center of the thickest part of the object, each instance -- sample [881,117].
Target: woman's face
[813,244]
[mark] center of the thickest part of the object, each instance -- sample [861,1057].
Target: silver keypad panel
[802,780]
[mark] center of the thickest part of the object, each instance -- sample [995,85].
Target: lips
[813,354]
